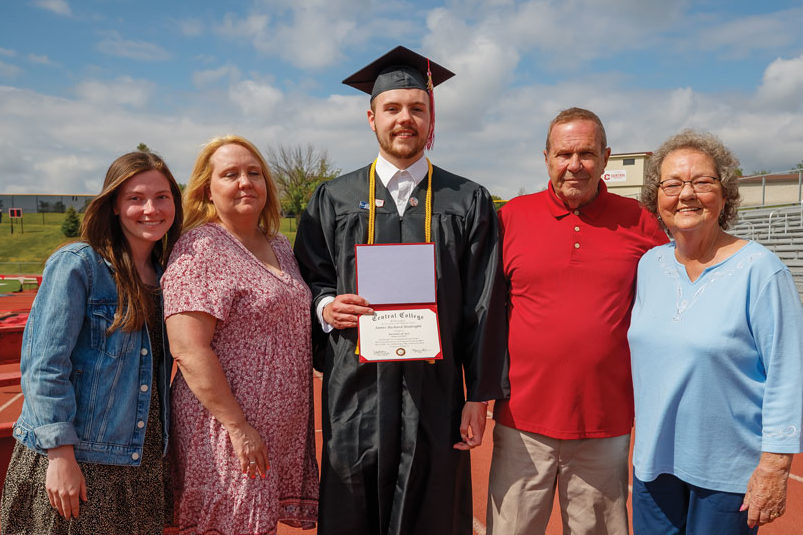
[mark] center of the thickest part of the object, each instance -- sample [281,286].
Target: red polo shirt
[571,277]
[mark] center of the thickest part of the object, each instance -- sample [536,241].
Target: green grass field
[25,251]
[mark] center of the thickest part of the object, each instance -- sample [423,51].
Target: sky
[84,82]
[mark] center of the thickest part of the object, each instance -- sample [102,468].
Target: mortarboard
[401,68]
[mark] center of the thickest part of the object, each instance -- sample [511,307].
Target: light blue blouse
[717,367]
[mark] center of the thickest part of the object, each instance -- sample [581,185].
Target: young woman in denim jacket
[96,368]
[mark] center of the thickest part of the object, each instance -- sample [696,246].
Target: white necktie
[400,188]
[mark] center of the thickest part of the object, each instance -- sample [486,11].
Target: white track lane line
[8,403]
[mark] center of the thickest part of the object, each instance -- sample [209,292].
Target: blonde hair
[199,209]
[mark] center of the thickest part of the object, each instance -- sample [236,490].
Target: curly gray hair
[724,161]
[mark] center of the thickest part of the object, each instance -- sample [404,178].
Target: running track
[789,524]
[11,403]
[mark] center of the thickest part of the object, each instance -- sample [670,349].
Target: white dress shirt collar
[386,170]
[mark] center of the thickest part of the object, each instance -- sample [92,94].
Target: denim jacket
[82,386]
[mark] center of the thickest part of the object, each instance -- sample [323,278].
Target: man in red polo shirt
[570,255]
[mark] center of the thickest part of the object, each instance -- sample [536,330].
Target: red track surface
[789,524]
[11,402]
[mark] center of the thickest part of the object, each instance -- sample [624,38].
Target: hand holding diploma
[344,312]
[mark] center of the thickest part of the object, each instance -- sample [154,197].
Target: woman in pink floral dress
[238,323]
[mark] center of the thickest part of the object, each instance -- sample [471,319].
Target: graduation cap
[401,68]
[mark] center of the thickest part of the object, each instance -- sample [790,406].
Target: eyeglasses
[703,184]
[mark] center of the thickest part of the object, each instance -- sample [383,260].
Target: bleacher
[778,228]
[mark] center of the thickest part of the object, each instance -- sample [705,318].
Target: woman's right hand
[65,484]
[250,449]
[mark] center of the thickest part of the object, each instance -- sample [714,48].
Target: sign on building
[615,175]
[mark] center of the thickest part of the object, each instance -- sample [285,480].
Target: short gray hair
[570,115]
[724,161]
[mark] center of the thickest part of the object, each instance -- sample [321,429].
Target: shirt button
[143,388]
[140,424]
[576,245]
[576,212]
[143,351]
[18,431]
[577,229]
[135,456]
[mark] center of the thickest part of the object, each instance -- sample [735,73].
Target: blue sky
[83,82]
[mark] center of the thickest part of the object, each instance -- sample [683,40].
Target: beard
[401,151]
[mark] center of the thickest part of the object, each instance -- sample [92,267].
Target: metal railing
[753,235]
[769,222]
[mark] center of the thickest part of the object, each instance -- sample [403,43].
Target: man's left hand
[472,425]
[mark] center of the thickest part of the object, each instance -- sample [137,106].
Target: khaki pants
[590,475]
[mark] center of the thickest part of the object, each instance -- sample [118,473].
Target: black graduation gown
[388,466]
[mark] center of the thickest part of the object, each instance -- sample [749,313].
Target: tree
[297,171]
[799,165]
[142,147]
[71,225]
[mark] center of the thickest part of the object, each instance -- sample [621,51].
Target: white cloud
[7,70]
[60,7]
[569,34]
[67,165]
[113,44]
[191,27]
[491,118]
[782,86]
[314,36]
[124,91]
[255,99]
[209,77]
[7,52]
[234,27]
[740,36]
[309,34]
[41,60]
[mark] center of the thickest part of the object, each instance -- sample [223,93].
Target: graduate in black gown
[397,435]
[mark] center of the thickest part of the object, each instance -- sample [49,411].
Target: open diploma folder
[398,280]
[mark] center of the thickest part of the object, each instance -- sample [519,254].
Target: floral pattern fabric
[262,339]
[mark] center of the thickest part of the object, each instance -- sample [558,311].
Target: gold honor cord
[372,204]
[372,214]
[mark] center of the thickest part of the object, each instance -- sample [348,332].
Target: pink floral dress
[262,340]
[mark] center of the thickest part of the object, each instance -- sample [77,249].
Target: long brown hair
[101,229]
[199,210]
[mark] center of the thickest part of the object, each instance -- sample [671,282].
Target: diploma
[399,282]
[400,334]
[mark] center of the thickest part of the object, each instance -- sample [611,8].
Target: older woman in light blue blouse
[716,343]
